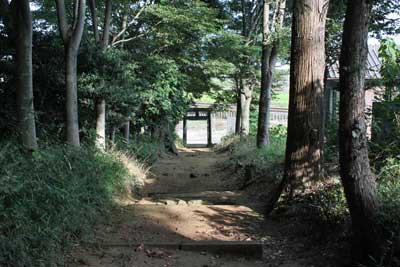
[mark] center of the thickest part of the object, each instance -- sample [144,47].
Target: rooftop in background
[373,65]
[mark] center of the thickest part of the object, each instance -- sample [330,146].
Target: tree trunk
[303,162]
[101,124]
[245,101]
[266,82]
[71,36]
[358,181]
[71,58]
[113,131]
[127,131]
[238,109]
[268,60]
[305,137]
[103,43]
[26,114]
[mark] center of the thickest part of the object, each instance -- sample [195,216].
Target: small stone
[196,202]
[182,202]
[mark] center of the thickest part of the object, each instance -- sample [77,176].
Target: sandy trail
[163,219]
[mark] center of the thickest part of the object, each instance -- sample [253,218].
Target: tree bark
[26,112]
[305,137]
[245,101]
[358,181]
[127,131]
[269,57]
[101,124]
[103,43]
[303,162]
[238,108]
[266,80]
[71,58]
[71,36]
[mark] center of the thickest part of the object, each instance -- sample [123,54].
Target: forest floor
[192,199]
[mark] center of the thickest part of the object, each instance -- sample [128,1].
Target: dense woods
[91,93]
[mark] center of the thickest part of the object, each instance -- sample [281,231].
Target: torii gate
[198,114]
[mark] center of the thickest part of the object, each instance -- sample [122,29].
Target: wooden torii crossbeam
[198,114]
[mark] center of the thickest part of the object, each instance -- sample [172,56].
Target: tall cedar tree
[303,162]
[358,181]
[71,36]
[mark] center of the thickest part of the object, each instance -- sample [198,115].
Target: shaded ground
[192,198]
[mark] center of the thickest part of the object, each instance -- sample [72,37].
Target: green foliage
[246,152]
[331,146]
[389,53]
[389,195]
[386,111]
[51,199]
[328,201]
[143,148]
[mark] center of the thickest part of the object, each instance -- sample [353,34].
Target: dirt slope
[190,198]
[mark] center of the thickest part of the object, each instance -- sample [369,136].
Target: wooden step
[247,249]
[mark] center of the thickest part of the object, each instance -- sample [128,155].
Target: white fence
[222,124]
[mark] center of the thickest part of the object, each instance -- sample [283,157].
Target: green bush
[51,199]
[247,152]
[328,201]
[389,195]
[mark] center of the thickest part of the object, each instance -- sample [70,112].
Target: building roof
[373,65]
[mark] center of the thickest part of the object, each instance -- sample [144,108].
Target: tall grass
[51,199]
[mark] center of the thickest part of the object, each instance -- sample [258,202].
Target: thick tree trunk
[26,114]
[71,55]
[303,162]
[305,137]
[101,124]
[245,101]
[358,181]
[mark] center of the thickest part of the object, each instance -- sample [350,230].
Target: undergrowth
[245,150]
[51,199]
[389,196]
[142,148]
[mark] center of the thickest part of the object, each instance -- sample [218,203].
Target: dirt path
[191,199]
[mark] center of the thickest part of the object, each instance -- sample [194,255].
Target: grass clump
[143,149]
[51,199]
[246,152]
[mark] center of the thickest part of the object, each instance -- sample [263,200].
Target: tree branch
[115,38]
[95,24]
[62,20]
[80,23]
[107,22]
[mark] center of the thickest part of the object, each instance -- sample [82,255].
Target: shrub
[51,199]
[247,152]
[389,195]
